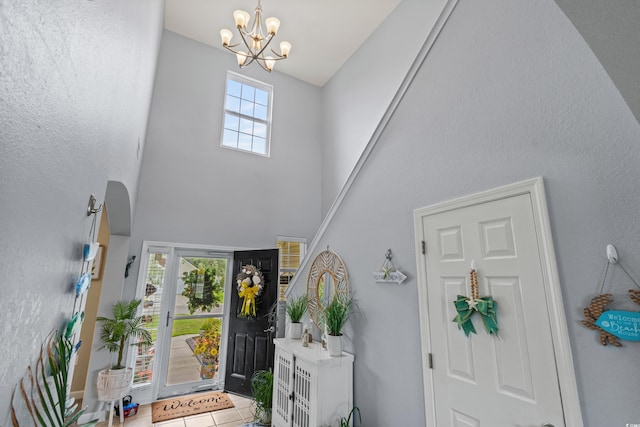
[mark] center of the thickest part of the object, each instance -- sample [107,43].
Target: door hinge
[430,361]
[424,247]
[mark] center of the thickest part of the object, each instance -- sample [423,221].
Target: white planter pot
[295,331]
[114,384]
[334,345]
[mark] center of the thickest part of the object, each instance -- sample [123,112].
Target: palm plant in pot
[296,308]
[115,333]
[335,316]
[262,392]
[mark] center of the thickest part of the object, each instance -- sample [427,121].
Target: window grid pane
[246,119]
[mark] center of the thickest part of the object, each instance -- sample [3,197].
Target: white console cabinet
[310,388]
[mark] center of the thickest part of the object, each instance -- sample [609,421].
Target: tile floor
[238,416]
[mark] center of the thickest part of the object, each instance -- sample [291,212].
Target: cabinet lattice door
[311,388]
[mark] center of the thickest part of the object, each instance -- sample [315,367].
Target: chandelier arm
[264,67]
[260,54]
[250,60]
[279,57]
[231,46]
[250,53]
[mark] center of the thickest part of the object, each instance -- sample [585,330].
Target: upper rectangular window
[247,115]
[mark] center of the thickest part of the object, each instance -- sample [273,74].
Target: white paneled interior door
[499,381]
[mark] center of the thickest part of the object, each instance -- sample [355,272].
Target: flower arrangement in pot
[296,308]
[335,316]
[208,347]
[115,333]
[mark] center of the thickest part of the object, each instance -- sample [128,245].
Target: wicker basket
[114,384]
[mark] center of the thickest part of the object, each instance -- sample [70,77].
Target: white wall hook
[612,254]
[473,264]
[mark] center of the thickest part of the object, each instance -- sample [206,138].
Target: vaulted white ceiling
[324,33]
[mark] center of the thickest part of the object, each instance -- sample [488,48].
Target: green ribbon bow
[486,306]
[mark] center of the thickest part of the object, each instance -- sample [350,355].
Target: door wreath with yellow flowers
[250,283]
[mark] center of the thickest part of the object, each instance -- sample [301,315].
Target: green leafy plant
[335,315]
[346,421]
[296,308]
[125,324]
[262,392]
[46,394]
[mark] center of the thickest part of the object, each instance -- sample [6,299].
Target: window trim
[268,122]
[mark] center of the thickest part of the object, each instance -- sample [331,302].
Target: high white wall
[194,191]
[75,88]
[357,96]
[509,91]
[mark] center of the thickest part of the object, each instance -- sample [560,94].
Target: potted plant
[262,392]
[346,421]
[296,308]
[335,316]
[115,333]
[207,347]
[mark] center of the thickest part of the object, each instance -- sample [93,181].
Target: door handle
[272,329]
[168,317]
[547,425]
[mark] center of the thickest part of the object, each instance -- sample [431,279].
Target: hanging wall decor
[249,283]
[388,273]
[613,324]
[467,306]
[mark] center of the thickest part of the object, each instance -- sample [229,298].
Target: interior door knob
[547,425]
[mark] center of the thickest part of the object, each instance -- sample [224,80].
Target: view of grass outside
[186,326]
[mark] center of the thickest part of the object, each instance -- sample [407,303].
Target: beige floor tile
[226,416]
[232,424]
[205,420]
[138,421]
[144,410]
[247,413]
[240,401]
[179,422]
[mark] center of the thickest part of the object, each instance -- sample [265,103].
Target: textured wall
[510,91]
[611,29]
[75,86]
[194,191]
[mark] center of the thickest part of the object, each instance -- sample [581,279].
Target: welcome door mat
[185,406]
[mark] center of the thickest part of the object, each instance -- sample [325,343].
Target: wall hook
[612,254]
[91,207]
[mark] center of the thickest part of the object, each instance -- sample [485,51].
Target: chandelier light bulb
[272,25]
[242,18]
[242,58]
[269,62]
[226,37]
[285,48]
[256,44]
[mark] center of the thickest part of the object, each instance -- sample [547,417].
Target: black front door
[250,343]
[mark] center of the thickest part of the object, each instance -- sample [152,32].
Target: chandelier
[255,41]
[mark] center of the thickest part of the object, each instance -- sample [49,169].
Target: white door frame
[147,393]
[558,323]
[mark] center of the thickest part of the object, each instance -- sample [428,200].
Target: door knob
[547,425]
[273,329]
